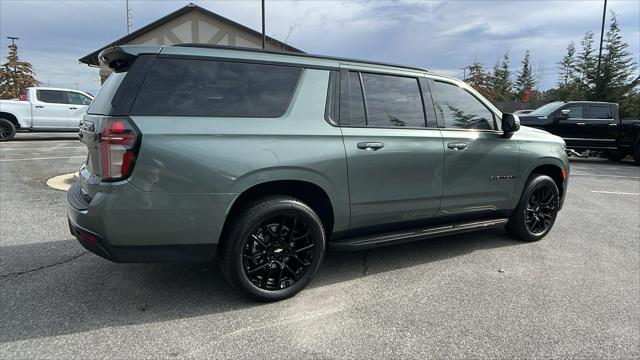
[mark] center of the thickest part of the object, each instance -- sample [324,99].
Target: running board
[396,237]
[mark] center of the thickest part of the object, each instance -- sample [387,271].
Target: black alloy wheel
[278,252]
[541,209]
[272,248]
[7,130]
[537,209]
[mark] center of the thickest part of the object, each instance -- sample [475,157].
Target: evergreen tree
[617,66]
[15,75]
[479,79]
[566,87]
[586,69]
[525,82]
[501,80]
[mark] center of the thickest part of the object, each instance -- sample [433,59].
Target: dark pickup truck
[589,125]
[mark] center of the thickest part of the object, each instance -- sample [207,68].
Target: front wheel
[7,130]
[536,212]
[273,249]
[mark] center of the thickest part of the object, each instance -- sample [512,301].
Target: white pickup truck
[43,109]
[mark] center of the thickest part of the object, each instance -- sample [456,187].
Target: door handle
[580,124]
[73,108]
[39,107]
[457,146]
[370,146]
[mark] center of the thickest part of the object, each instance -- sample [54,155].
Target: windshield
[547,109]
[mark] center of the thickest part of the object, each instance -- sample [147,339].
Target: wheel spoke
[257,268]
[296,238]
[305,248]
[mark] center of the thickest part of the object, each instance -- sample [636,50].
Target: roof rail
[304,55]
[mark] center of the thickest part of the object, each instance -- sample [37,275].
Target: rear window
[102,103]
[599,112]
[190,87]
[52,96]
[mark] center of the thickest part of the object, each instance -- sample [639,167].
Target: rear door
[601,125]
[480,163]
[78,105]
[50,109]
[394,152]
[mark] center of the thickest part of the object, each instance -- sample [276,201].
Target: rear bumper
[87,224]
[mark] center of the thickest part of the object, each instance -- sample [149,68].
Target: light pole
[604,14]
[264,36]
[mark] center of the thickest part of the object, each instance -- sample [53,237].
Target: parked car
[44,109]
[522,112]
[589,125]
[266,159]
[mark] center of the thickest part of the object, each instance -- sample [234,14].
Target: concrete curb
[62,182]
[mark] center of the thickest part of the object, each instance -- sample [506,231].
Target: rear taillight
[119,141]
[23,97]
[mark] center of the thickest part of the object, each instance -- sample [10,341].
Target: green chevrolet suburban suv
[264,160]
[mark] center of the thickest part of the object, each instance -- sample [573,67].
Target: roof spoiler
[120,58]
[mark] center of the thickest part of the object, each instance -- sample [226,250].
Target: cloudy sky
[442,36]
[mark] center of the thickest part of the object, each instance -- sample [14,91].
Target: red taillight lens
[23,97]
[118,148]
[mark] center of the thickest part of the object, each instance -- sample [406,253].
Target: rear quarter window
[213,88]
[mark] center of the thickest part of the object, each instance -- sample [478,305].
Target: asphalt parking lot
[575,294]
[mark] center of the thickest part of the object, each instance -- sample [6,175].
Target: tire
[7,130]
[273,249]
[537,209]
[615,156]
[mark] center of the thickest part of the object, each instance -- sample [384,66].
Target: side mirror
[563,115]
[510,123]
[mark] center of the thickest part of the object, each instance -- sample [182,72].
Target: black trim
[306,55]
[76,198]
[247,61]
[414,234]
[332,104]
[143,254]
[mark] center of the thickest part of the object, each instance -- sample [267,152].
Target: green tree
[566,86]
[525,82]
[501,86]
[617,68]
[15,75]
[586,69]
[480,79]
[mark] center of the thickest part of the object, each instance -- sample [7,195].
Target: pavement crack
[18,273]
[365,263]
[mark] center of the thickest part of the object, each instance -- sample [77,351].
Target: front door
[78,105]
[395,161]
[480,163]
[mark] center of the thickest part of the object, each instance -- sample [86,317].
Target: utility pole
[264,36]
[464,73]
[129,25]
[604,14]
[13,39]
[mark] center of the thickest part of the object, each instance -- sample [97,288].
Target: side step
[396,237]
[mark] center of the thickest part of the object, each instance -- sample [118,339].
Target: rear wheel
[536,212]
[615,156]
[7,130]
[273,249]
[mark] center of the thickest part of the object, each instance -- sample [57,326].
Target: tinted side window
[575,112]
[393,101]
[78,99]
[351,100]
[459,109]
[52,96]
[186,87]
[599,112]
